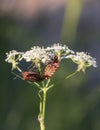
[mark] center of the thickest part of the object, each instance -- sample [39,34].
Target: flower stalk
[43,96]
[42,111]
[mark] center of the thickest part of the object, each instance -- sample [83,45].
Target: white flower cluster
[13,57]
[35,54]
[43,55]
[59,48]
[40,54]
[83,60]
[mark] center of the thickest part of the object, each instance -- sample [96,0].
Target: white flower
[58,47]
[60,50]
[36,54]
[83,60]
[13,57]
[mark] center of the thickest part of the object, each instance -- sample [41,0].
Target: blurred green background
[73,104]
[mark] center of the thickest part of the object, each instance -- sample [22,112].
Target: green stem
[42,109]
[43,95]
[42,125]
[71,74]
[44,103]
[19,69]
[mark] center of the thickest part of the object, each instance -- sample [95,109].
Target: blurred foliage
[71,19]
[73,104]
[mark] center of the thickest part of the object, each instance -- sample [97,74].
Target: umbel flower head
[60,50]
[50,58]
[38,54]
[13,57]
[83,60]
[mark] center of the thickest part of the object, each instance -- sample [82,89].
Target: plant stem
[42,125]
[43,95]
[71,74]
[44,103]
[42,109]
